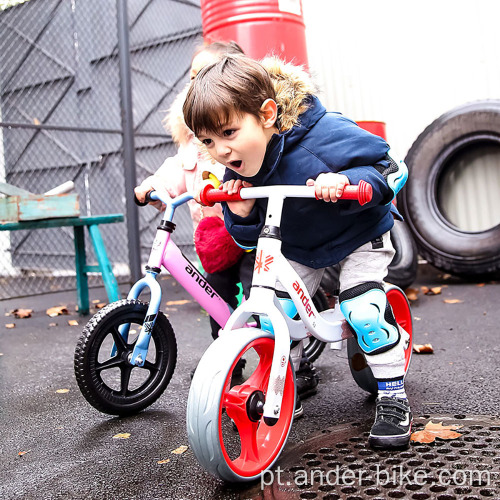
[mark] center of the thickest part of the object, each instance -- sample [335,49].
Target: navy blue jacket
[314,232]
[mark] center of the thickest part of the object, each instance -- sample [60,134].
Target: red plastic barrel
[261,27]
[376,128]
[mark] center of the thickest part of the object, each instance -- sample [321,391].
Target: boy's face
[240,144]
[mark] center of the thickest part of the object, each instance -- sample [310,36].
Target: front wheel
[225,426]
[360,370]
[106,378]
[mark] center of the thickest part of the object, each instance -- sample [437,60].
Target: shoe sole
[389,442]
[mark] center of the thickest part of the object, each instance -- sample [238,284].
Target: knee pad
[367,310]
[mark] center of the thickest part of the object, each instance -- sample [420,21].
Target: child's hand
[143,189]
[329,187]
[241,208]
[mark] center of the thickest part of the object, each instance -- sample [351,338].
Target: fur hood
[292,86]
[291,83]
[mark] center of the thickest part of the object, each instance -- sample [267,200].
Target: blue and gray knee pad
[367,310]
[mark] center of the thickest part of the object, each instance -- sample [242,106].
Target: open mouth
[235,164]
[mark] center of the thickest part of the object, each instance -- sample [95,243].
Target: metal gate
[61,115]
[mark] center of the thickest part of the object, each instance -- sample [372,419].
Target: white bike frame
[270,267]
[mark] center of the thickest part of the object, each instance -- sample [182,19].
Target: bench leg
[82,285]
[104,265]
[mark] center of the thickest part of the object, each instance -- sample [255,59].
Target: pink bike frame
[165,253]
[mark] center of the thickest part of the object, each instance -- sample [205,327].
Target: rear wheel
[360,370]
[226,429]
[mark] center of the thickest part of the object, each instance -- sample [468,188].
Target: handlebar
[363,193]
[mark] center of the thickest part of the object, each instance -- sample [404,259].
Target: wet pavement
[55,445]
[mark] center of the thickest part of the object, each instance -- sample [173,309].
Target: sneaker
[299,409]
[306,380]
[392,427]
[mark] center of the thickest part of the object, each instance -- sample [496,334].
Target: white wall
[403,62]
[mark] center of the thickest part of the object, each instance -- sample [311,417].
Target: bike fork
[138,355]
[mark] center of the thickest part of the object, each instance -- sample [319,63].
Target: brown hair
[234,85]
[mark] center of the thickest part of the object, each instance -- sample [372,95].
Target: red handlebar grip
[209,196]
[363,193]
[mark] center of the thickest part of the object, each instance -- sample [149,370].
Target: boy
[267,127]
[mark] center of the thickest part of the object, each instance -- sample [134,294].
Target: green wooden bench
[103,267]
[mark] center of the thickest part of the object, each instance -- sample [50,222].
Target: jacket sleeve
[170,176]
[244,230]
[364,156]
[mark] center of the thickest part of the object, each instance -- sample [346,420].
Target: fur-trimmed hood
[292,86]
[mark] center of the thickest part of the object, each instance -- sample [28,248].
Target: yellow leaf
[96,301]
[73,322]
[411,293]
[22,313]
[56,311]
[100,305]
[453,301]
[180,450]
[21,453]
[177,302]
[10,325]
[432,431]
[123,435]
[62,391]
[480,285]
[163,461]
[423,348]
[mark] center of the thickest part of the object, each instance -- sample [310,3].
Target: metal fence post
[128,139]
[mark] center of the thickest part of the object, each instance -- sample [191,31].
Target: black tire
[403,268]
[470,254]
[313,347]
[102,386]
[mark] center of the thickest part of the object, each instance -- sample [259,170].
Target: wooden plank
[48,207]
[11,190]
[9,209]
[63,221]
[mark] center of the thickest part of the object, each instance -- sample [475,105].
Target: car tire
[440,242]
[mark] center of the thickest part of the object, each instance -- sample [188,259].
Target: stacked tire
[469,253]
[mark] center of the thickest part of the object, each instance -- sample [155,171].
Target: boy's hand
[143,189]
[241,208]
[329,187]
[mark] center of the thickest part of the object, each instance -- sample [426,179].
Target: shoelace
[393,409]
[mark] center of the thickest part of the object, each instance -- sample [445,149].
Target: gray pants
[369,262]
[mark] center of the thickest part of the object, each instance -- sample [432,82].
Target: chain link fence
[60,120]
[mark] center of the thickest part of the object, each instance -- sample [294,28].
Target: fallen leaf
[177,302]
[62,391]
[100,305]
[52,324]
[22,313]
[180,450]
[423,348]
[411,293]
[163,461]
[10,325]
[57,311]
[452,301]
[432,431]
[480,285]
[96,301]
[436,290]
[73,322]
[21,453]
[123,435]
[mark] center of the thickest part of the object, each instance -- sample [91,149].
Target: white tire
[221,413]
